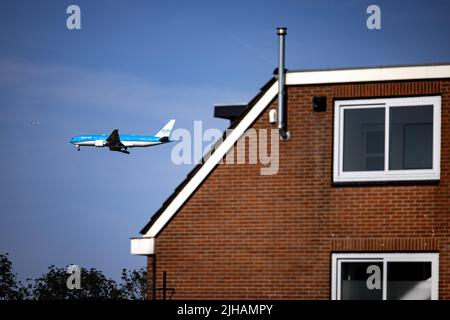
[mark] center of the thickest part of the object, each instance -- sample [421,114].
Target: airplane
[121,143]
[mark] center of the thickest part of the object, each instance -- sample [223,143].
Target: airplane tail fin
[166,130]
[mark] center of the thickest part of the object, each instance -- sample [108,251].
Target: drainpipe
[153,275]
[282,116]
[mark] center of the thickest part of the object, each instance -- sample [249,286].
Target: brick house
[359,208]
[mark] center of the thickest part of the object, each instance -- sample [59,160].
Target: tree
[94,286]
[134,284]
[10,287]
[53,284]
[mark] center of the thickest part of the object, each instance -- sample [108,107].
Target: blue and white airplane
[121,143]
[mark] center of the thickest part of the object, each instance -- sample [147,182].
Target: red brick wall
[243,235]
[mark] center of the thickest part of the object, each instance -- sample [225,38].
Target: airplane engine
[100,143]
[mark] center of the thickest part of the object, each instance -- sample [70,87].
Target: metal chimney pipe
[282,116]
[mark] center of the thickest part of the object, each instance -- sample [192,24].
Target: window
[387,139]
[385,276]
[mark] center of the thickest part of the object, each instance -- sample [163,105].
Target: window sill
[428,182]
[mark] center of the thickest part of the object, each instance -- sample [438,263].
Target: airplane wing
[113,141]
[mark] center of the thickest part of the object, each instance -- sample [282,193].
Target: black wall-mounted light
[319,104]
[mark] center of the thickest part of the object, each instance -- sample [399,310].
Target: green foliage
[10,288]
[134,284]
[94,286]
[53,285]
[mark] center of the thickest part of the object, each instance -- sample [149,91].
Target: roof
[259,103]
[386,66]
[197,167]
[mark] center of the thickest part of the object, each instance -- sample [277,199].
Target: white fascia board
[213,160]
[142,246]
[368,75]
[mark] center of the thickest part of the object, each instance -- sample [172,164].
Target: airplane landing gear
[78,148]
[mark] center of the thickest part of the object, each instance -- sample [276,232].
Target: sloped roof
[259,103]
[197,167]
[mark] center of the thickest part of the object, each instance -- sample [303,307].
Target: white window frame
[385,175]
[338,258]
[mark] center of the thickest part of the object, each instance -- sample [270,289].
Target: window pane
[411,137]
[361,280]
[363,139]
[409,281]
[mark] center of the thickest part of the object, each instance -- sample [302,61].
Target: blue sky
[134,65]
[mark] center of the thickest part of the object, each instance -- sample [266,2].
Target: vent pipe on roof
[282,116]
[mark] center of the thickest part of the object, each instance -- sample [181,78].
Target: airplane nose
[72,140]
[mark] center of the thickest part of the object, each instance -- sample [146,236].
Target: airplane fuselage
[121,143]
[129,141]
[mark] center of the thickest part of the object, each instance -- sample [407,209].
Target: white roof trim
[142,246]
[367,75]
[292,78]
[212,161]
